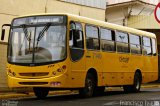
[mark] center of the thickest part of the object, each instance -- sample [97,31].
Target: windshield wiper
[41,34]
[26,32]
[28,36]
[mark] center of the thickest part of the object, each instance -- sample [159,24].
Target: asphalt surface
[147,97]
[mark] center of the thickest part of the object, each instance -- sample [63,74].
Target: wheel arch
[94,73]
[140,73]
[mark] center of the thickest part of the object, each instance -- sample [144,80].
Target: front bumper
[55,82]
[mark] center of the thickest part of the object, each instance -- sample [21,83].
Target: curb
[31,94]
[151,86]
[13,95]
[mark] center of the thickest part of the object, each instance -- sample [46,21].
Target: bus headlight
[62,68]
[59,70]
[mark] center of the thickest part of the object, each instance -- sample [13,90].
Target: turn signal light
[59,70]
[64,67]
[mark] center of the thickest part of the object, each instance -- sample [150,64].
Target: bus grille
[33,83]
[40,74]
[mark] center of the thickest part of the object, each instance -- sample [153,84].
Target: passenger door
[76,44]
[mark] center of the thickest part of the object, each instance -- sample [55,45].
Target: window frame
[86,24]
[82,31]
[73,50]
[114,41]
[140,41]
[154,54]
[147,46]
[122,42]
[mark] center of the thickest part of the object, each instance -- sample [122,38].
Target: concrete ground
[6,95]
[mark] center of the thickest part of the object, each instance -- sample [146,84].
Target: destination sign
[39,20]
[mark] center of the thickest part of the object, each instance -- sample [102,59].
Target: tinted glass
[92,31]
[135,44]
[92,37]
[122,42]
[107,40]
[122,37]
[147,46]
[106,34]
[134,39]
[154,46]
[76,39]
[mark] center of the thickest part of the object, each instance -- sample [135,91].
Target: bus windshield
[41,40]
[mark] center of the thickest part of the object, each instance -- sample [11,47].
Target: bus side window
[147,46]
[135,44]
[154,47]
[122,42]
[107,40]
[76,36]
[92,38]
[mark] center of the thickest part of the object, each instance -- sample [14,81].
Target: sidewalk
[6,95]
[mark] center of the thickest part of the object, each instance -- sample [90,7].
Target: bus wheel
[90,84]
[41,93]
[136,86]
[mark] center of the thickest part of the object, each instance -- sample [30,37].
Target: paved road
[147,97]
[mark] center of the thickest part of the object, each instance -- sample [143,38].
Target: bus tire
[136,86]
[90,84]
[40,93]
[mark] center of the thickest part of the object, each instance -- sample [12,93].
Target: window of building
[135,44]
[153,47]
[122,42]
[107,40]
[147,46]
[92,37]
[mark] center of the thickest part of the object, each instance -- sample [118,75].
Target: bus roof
[99,23]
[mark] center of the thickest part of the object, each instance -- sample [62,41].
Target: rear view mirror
[3,30]
[3,34]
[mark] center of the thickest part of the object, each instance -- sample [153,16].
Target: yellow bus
[65,51]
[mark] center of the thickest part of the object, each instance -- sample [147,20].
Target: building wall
[125,15]
[91,3]
[121,1]
[57,6]
[117,1]
[116,15]
[10,9]
[143,22]
[3,60]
